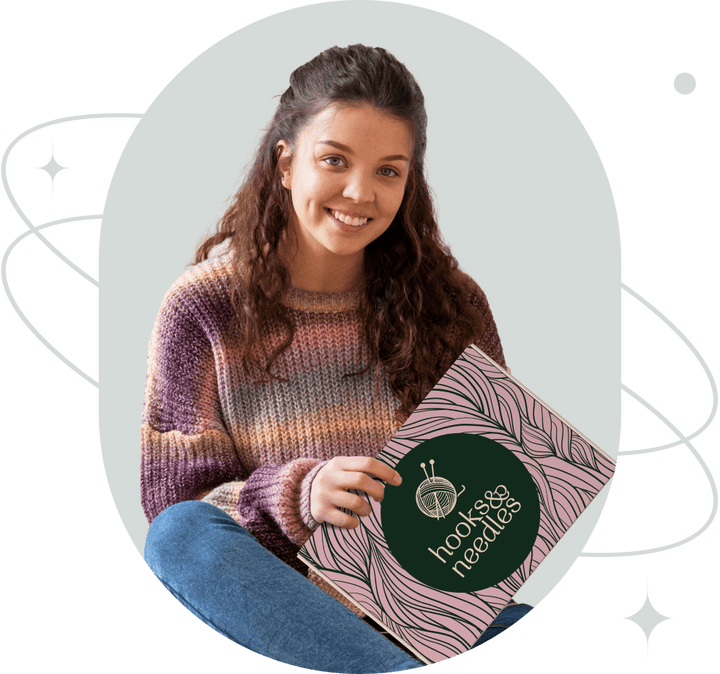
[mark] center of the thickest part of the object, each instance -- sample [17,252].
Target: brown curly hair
[416,307]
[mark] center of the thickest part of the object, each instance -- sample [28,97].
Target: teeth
[348,220]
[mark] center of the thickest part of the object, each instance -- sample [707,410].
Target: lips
[350,219]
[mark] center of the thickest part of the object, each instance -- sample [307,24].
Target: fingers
[331,512]
[328,512]
[341,519]
[335,483]
[362,482]
[370,466]
[344,499]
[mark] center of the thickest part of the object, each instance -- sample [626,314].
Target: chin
[345,251]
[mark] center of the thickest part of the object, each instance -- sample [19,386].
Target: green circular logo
[465,516]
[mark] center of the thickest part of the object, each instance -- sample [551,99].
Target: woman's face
[347,179]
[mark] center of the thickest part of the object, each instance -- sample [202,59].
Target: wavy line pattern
[475,397]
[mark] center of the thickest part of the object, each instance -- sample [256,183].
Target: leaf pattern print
[477,397]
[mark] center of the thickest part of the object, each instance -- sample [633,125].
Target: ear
[284,157]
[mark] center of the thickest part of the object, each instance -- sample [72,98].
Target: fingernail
[397,479]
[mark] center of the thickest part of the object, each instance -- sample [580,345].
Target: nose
[359,187]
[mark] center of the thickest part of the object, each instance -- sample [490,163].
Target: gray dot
[685,83]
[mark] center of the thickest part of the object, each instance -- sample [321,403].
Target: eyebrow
[345,148]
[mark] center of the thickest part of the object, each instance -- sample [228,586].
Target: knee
[180,533]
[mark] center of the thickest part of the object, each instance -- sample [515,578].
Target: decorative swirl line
[33,229]
[15,305]
[682,438]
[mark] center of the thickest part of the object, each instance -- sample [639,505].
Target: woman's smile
[348,222]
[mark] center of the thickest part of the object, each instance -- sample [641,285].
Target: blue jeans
[220,572]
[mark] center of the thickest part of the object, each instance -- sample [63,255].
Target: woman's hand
[329,490]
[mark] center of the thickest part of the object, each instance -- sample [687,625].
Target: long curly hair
[415,305]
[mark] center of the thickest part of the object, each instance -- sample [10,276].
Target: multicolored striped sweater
[208,432]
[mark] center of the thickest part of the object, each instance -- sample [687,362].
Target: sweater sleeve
[187,451]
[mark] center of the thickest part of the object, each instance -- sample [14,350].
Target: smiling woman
[313,322]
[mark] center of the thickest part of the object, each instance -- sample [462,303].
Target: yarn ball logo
[465,539]
[436,497]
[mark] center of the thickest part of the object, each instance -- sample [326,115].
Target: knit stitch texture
[209,432]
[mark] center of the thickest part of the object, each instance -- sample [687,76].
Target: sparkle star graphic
[647,618]
[52,168]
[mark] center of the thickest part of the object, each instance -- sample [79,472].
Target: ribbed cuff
[289,510]
[305,488]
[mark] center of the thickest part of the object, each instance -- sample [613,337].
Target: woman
[312,323]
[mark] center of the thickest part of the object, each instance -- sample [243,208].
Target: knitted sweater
[209,432]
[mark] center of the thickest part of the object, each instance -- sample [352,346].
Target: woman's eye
[388,172]
[333,161]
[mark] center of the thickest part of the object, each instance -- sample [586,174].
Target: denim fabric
[508,616]
[220,572]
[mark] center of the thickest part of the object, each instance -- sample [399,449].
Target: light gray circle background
[684,83]
[522,199]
